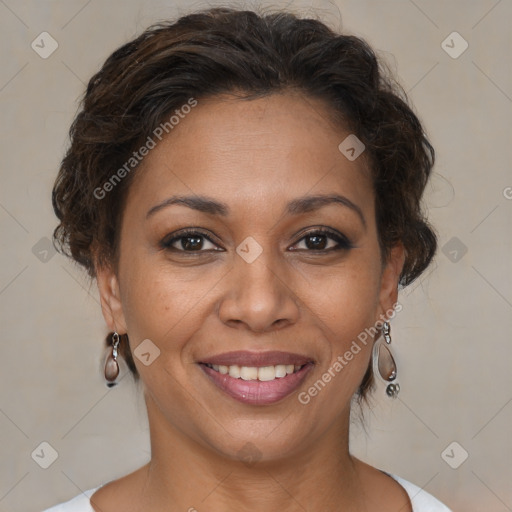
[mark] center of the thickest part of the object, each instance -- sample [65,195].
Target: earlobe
[390,278]
[110,298]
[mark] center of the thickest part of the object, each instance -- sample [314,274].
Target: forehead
[252,153]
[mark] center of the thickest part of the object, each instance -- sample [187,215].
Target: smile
[263,373]
[258,378]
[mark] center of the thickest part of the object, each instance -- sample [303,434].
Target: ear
[390,277]
[110,297]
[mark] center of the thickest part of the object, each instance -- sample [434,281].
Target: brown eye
[317,242]
[189,241]
[321,240]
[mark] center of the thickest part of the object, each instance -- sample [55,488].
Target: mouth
[257,378]
[262,373]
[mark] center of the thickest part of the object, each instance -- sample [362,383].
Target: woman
[246,192]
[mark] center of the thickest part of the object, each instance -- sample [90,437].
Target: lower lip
[258,392]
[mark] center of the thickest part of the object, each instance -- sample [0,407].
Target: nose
[259,296]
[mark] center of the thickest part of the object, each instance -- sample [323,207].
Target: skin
[254,156]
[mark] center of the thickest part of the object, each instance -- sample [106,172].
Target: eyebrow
[295,207]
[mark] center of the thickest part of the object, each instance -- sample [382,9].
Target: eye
[192,240]
[318,240]
[189,241]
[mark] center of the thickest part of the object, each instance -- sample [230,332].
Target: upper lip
[247,358]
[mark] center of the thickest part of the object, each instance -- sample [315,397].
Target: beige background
[452,339]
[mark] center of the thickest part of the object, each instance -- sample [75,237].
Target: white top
[421,500]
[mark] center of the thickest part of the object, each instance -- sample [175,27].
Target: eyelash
[343,242]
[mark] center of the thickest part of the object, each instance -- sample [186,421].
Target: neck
[190,475]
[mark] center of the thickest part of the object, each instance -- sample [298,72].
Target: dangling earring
[383,362]
[111,365]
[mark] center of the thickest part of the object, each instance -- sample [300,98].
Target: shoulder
[80,503]
[421,500]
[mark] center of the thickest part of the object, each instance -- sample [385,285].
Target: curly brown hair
[223,50]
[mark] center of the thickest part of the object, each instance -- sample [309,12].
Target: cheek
[348,308]
[349,294]
[164,304]
[154,306]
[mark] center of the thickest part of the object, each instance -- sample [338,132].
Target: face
[268,281]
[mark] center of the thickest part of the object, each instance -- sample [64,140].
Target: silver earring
[111,364]
[384,363]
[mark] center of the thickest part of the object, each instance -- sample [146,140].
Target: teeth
[248,372]
[267,373]
[262,373]
[234,371]
[280,370]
